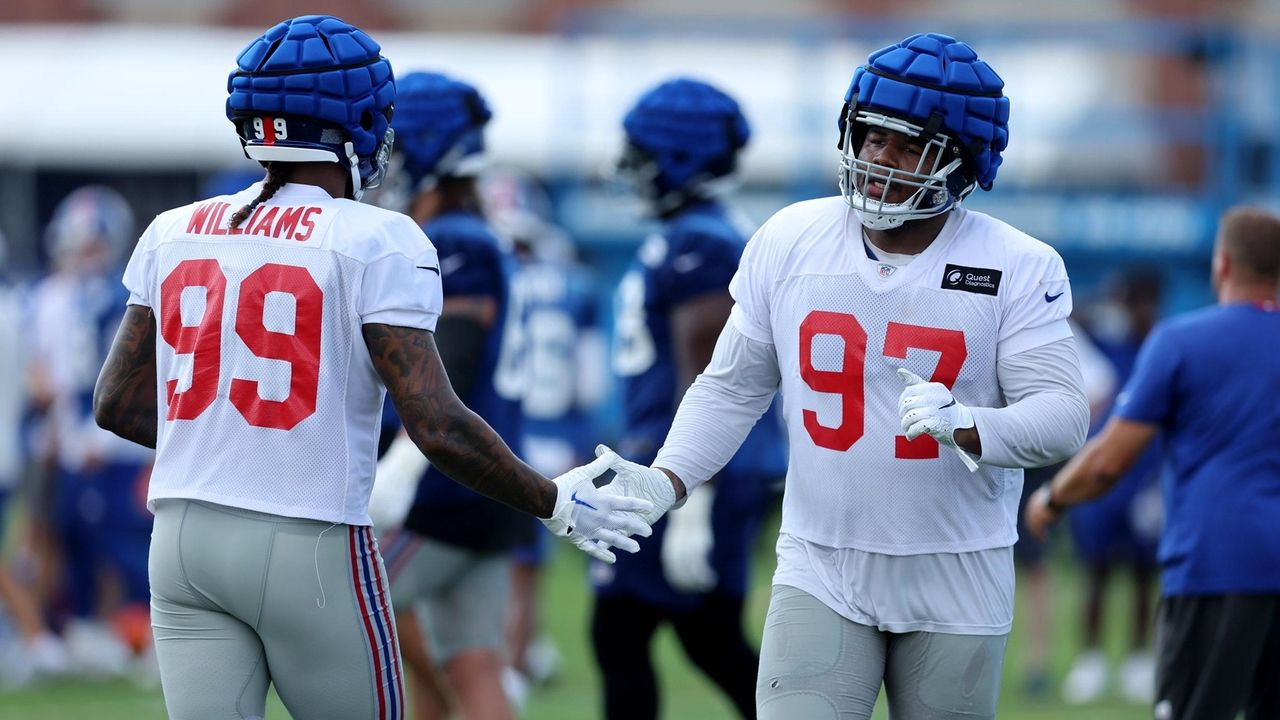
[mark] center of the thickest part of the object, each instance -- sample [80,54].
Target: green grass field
[574,695]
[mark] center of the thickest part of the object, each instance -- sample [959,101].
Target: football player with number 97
[924,358]
[261,330]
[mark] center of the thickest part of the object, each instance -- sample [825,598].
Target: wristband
[1049,501]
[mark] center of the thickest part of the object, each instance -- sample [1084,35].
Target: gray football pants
[817,665]
[241,599]
[463,594]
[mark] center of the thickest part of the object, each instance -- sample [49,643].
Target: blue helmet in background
[440,125]
[315,89]
[681,136]
[91,230]
[935,88]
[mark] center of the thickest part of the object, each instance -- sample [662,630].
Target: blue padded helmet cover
[930,74]
[319,67]
[690,128]
[437,117]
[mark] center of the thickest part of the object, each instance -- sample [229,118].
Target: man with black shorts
[1209,382]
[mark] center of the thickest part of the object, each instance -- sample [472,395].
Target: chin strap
[357,187]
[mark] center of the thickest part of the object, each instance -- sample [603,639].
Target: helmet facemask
[632,180]
[369,173]
[937,183]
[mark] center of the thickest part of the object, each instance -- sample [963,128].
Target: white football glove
[595,520]
[687,544]
[930,408]
[395,482]
[636,480]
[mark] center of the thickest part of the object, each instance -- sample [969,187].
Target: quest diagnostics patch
[983,281]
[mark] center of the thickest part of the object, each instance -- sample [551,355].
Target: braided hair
[277,175]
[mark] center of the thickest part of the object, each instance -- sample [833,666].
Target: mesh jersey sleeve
[1037,307]
[403,291]
[1147,396]
[139,274]
[470,268]
[697,264]
[1047,417]
[752,289]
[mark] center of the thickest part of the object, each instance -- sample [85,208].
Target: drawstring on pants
[320,601]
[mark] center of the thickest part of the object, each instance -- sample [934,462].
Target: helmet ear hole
[366,120]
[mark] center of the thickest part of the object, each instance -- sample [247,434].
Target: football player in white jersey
[101,527]
[924,358]
[260,331]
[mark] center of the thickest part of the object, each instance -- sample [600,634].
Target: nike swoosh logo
[432,268]
[574,498]
[1051,298]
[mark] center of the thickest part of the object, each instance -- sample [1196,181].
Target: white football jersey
[842,323]
[267,397]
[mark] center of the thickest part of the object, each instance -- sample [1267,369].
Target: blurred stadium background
[1134,124]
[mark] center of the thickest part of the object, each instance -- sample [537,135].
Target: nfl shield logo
[886,270]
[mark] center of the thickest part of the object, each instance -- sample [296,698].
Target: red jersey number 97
[849,381]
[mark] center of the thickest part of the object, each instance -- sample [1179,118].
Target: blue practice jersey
[473,264]
[560,307]
[696,254]
[1210,381]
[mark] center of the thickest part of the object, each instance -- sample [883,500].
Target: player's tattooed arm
[452,437]
[124,400]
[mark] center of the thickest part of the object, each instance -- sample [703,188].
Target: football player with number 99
[260,332]
[924,358]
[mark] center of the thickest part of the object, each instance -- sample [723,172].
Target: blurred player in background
[1121,529]
[567,374]
[683,140]
[100,522]
[1028,553]
[453,550]
[34,651]
[566,370]
[1208,382]
[895,562]
[281,313]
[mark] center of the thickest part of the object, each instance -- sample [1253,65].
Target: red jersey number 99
[203,341]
